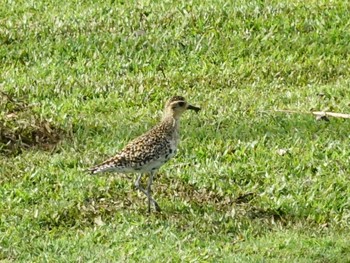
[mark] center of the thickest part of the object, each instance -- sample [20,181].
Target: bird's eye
[181,103]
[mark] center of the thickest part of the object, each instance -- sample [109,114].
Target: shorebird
[148,152]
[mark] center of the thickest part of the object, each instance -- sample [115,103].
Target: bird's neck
[170,114]
[172,120]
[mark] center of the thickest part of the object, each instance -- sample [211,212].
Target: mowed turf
[79,79]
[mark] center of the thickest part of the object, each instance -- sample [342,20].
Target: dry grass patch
[22,128]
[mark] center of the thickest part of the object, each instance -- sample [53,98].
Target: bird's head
[177,105]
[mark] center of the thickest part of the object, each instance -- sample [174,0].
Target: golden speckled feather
[157,145]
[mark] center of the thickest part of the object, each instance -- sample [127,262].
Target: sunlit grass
[100,73]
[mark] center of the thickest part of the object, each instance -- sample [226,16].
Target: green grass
[97,73]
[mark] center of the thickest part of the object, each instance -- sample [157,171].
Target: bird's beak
[196,109]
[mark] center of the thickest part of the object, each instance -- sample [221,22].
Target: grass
[81,78]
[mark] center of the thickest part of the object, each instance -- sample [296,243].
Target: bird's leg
[138,185]
[150,179]
[150,199]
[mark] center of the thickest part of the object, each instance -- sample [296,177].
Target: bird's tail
[92,170]
[114,163]
[99,169]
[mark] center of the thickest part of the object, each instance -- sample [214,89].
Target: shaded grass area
[22,128]
[83,78]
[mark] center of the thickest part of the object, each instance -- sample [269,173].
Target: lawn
[79,79]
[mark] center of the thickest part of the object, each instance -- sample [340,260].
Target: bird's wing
[135,154]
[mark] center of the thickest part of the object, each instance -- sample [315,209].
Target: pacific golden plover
[147,153]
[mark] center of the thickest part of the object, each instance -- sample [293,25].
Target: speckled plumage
[148,152]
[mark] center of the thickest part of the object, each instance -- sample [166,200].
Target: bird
[148,152]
